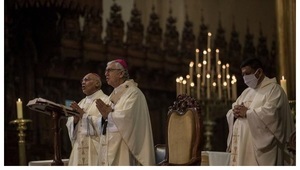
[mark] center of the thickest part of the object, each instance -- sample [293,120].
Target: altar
[46,162]
[215,158]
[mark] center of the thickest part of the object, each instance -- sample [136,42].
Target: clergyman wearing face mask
[252,79]
[260,120]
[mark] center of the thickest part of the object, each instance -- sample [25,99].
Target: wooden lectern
[56,111]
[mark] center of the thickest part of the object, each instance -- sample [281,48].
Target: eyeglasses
[111,69]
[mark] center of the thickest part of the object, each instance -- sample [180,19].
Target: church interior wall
[45,59]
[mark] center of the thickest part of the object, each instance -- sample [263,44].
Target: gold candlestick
[22,143]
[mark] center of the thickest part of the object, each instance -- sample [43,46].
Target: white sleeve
[71,130]
[91,125]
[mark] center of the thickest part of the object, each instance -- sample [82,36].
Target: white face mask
[250,80]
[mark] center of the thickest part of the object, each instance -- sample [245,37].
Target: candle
[228,87]
[19,109]
[191,70]
[184,86]
[177,86]
[225,85]
[217,57]
[283,84]
[219,67]
[192,89]
[197,59]
[198,86]
[204,68]
[208,86]
[208,59]
[223,73]
[208,40]
[233,82]
[188,81]
[199,68]
[180,85]
[227,69]
[214,84]
[219,87]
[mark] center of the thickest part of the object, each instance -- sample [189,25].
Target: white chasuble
[85,135]
[128,139]
[260,138]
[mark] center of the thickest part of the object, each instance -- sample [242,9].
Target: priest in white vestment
[84,130]
[260,121]
[126,137]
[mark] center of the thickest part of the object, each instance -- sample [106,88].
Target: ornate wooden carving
[272,70]
[171,44]
[291,146]
[153,42]
[183,102]
[135,35]
[87,6]
[93,47]
[221,44]
[263,53]
[181,106]
[202,37]
[249,49]
[292,143]
[188,42]
[115,33]
[234,51]
[70,41]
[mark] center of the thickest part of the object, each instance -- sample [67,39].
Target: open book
[47,107]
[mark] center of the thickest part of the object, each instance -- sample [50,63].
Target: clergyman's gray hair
[119,66]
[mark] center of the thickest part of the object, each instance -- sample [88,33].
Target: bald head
[97,78]
[91,83]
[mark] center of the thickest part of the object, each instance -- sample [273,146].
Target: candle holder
[212,109]
[215,88]
[293,108]
[22,143]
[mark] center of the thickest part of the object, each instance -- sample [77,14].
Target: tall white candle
[219,87]
[227,69]
[208,86]
[234,93]
[223,73]
[181,85]
[219,68]
[199,68]
[197,59]
[217,57]
[208,40]
[204,68]
[191,70]
[188,82]
[184,87]
[283,84]
[228,87]
[208,59]
[225,87]
[19,109]
[177,86]
[192,89]
[214,84]
[198,86]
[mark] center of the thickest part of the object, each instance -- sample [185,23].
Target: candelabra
[293,108]
[212,87]
[21,127]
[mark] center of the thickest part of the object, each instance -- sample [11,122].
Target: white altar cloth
[46,162]
[214,158]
